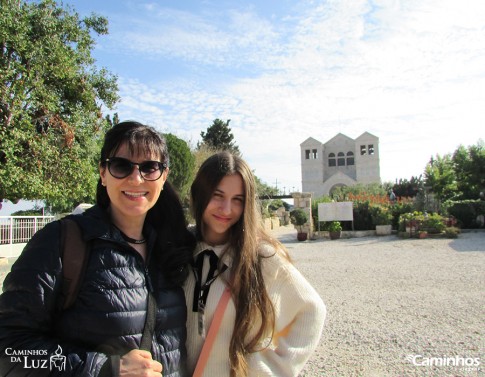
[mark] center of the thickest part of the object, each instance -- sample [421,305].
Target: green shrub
[276,204]
[432,223]
[404,235]
[29,212]
[466,212]
[381,215]
[452,232]
[362,216]
[315,203]
[399,208]
[410,218]
[298,217]
[334,226]
[265,213]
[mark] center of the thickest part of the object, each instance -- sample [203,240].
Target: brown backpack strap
[74,256]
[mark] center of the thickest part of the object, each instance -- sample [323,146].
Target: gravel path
[389,298]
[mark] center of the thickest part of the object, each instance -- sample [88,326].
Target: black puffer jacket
[108,316]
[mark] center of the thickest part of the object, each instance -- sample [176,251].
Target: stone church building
[341,161]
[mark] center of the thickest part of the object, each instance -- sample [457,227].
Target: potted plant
[298,218]
[382,219]
[334,230]
[410,222]
[433,223]
[422,234]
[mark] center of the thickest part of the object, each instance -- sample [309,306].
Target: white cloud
[410,72]
[220,38]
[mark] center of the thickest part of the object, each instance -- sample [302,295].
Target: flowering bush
[364,214]
[432,223]
[371,198]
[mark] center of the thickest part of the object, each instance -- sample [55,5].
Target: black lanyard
[201,291]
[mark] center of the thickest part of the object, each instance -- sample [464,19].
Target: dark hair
[174,242]
[139,138]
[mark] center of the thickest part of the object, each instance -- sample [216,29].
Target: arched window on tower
[341,159]
[350,158]
[331,159]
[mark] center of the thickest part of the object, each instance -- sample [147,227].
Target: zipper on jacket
[148,280]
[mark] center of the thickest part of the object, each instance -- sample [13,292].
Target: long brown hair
[247,282]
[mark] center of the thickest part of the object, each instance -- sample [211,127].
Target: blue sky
[411,72]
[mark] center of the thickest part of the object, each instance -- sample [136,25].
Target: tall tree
[410,189]
[469,165]
[219,137]
[440,176]
[51,98]
[182,165]
[264,190]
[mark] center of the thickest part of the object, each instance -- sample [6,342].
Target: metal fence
[20,229]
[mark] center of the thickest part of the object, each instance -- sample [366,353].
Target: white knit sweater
[299,311]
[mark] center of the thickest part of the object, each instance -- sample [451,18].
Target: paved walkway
[393,303]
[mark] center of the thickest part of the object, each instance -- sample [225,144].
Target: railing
[20,229]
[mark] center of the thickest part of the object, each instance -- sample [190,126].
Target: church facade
[341,161]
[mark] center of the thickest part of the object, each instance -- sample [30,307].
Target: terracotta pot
[422,234]
[334,235]
[301,236]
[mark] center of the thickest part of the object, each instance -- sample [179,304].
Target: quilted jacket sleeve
[27,316]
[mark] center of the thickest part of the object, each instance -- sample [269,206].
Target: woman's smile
[134,195]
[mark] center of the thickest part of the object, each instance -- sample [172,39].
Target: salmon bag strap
[211,335]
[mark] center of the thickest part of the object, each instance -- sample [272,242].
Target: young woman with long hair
[274,319]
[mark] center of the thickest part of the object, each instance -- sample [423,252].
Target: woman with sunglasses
[274,318]
[139,246]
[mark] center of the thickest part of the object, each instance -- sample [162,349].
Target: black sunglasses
[120,168]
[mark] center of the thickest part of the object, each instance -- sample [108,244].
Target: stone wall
[271,223]
[303,200]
